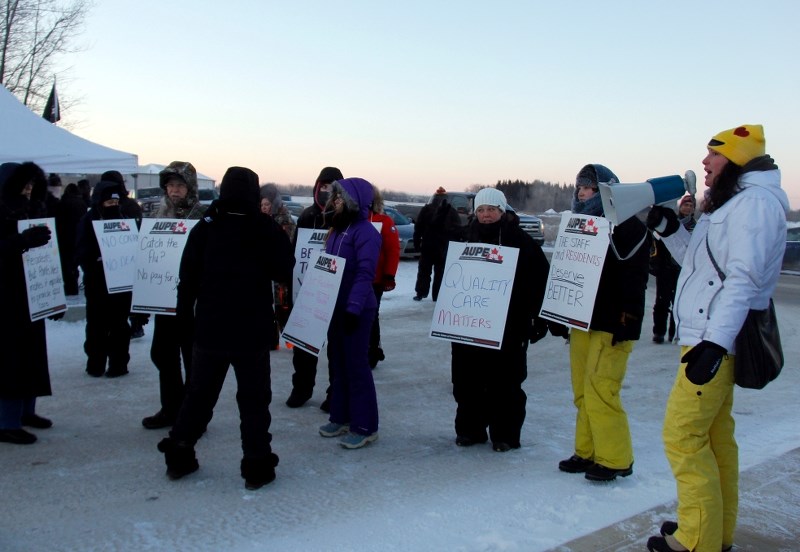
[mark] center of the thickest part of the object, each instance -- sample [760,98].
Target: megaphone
[622,201]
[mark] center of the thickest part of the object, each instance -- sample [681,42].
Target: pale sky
[416,94]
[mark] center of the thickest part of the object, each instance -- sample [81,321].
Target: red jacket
[389,256]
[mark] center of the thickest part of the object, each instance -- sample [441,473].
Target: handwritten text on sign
[309,243]
[158,259]
[118,240]
[307,327]
[575,268]
[476,289]
[43,273]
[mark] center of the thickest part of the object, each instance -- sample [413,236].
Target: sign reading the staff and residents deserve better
[578,257]
[158,258]
[43,277]
[307,327]
[472,305]
[118,241]
[309,243]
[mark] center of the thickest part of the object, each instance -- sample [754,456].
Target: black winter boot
[258,472]
[179,457]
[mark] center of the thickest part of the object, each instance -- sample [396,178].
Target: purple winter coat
[359,244]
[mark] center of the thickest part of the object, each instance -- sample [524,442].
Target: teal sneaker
[356,440]
[332,429]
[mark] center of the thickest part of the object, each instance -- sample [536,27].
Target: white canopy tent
[24,136]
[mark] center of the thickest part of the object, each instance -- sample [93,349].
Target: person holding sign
[487,383]
[385,272]
[225,296]
[730,264]
[108,335]
[24,373]
[599,355]
[304,363]
[353,401]
[171,342]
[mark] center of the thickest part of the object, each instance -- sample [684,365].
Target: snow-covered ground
[95,481]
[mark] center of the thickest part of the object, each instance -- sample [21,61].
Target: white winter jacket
[747,237]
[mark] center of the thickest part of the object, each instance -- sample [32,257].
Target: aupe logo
[317,238]
[477,253]
[116,226]
[328,264]
[169,228]
[578,225]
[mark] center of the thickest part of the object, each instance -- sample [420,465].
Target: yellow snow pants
[702,451]
[601,425]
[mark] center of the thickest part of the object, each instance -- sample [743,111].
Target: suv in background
[462,203]
[533,226]
[148,199]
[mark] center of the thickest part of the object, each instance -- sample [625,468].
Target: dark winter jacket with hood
[314,216]
[23,370]
[187,208]
[530,277]
[231,257]
[437,224]
[87,249]
[623,280]
[354,238]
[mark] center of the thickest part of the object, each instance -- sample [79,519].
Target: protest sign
[309,243]
[158,258]
[473,300]
[43,276]
[118,239]
[307,327]
[575,268]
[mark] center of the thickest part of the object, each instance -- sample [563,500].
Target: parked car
[207,195]
[148,199]
[294,207]
[462,203]
[533,226]
[405,231]
[791,258]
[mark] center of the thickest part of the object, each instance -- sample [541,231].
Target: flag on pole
[52,111]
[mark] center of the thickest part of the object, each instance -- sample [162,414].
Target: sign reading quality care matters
[117,239]
[158,258]
[472,305]
[307,327]
[578,257]
[43,273]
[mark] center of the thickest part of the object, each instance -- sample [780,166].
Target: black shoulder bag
[759,355]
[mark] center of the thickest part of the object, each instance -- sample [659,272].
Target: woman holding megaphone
[742,230]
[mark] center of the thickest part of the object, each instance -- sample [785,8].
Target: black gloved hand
[663,220]
[388,282]
[538,329]
[57,316]
[621,330]
[350,322]
[558,330]
[35,236]
[703,362]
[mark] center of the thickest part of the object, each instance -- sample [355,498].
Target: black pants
[430,260]
[666,282]
[487,387]
[375,334]
[305,372]
[108,336]
[171,342]
[253,395]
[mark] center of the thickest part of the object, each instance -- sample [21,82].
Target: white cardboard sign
[307,327]
[575,268]
[43,273]
[472,305]
[158,259]
[118,239]
[309,243]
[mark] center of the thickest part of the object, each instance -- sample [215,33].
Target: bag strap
[714,261]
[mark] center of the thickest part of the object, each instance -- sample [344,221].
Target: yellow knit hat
[741,144]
